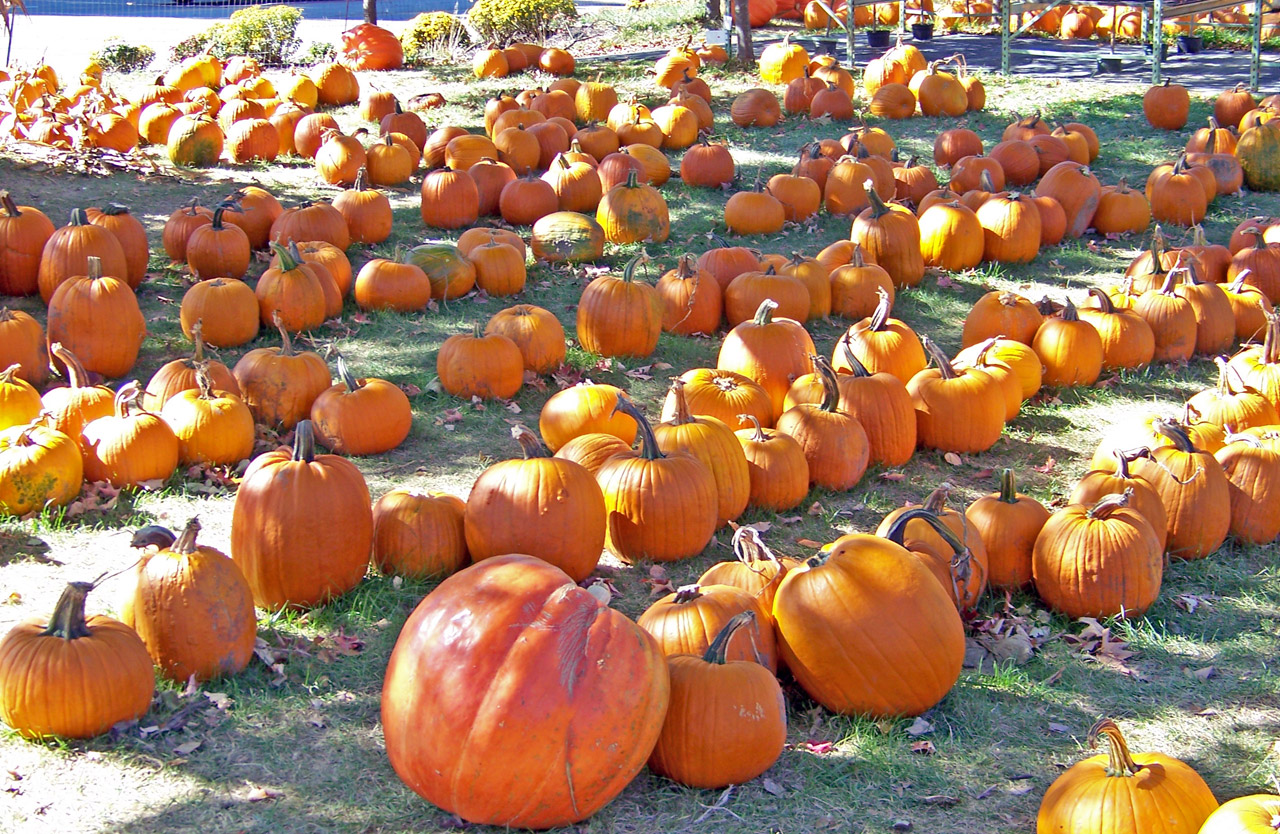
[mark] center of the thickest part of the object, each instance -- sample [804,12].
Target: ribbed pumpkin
[592,724]
[280,385]
[890,236]
[1070,349]
[129,447]
[1008,523]
[1254,814]
[1257,151]
[360,416]
[40,467]
[770,352]
[957,411]
[631,212]
[22,343]
[896,645]
[192,608]
[219,250]
[1172,320]
[883,344]
[1076,188]
[687,621]
[620,316]
[1127,340]
[1230,404]
[291,291]
[97,317]
[1258,366]
[70,676]
[478,365]
[834,442]
[311,221]
[583,409]
[659,507]
[1253,473]
[778,472]
[726,722]
[1004,314]
[536,332]
[712,442]
[1194,490]
[1150,792]
[130,233]
[67,251]
[195,141]
[547,507]
[23,233]
[950,237]
[282,525]
[419,535]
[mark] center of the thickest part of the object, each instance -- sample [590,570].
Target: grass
[300,748]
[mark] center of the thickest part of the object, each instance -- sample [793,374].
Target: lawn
[294,743]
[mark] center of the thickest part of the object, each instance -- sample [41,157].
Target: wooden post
[371,12]
[713,11]
[742,22]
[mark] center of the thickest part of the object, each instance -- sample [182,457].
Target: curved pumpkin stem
[1104,301]
[344,373]
[717,652]
[304,442]
[1176,435]
[940,359]
[1108,504]
[1125,457]
[764,313]
[530,444]
[880,318]
[1119,760]
[878,206]
[682,415]
[9,207]
[962,562]
[856,367]
[1069,311]
[687,593]
[648,443]
[67,620]
[830,387]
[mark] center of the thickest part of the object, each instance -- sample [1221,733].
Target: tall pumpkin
[712,442]
[546,669]
[302,525]
[620,316]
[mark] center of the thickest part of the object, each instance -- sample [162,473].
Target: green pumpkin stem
[531,446]
[632,179]
[939,358]
[718,651]
[1119,761]
[764,313]
[344,373]
[1008,487]
[114,209]
[185,544]
[648,443]
[79,217]
[629,271]
[304,442]
[67,620]
[288,255]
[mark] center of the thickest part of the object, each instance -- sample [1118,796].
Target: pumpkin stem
[95,267]
[856,367]
[286,344]
[67,620]
[128,394]
[629,271]
[344,373]
[830,387]
[79,217]
[682,415]
[10,207]
[878,207]
[858,260]
[304,442]
[1124,457]
[530,444]
[748,547]
[1119,761]
[961,566]
[77,376]
[648,443]
[1008,487]
[764,313]
[362,176]
[884,307]
[717,652]
[289,256]
[687,593]
[1108,504]
[940,359]
[1175,434]
[185,544]
[204,382]
[936,501]
[1069,311]
[1104,301]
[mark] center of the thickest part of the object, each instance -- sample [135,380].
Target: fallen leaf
[512,406]
[921,726]
[953,459]
[1062,729]
[816,509]
[924,747]
[786,519]
[1020,790]
[940,799]
[773,787]
[808,543]
[1203,674]
[263,794]
[220,700]
[409,388]
[1046,467]
[818,748]
[892,476]
[188,748]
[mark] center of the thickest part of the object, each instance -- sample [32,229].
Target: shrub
[267,33]
[117,55]
[317,52]
[432,33]
[188,47]
[504,21]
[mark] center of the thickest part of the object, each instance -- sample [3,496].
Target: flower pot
[879,38]
[1110,64]
[1164,50]
[1190,44]
[922,31]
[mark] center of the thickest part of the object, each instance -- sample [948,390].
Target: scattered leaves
[1046,467]
[924,747]
[1097,644]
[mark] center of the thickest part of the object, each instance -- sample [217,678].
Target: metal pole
[1255,65]
[1157,39]
[1004,37]
[8,50]
[742,21]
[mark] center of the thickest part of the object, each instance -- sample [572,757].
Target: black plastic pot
[1164,50]
[1110,64]
[879,38]
[922,31]
[1190,44]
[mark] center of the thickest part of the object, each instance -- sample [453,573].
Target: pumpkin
[67,251]
[1008,523]
[288,505]
[40,466]
[956,410]
[192,609]
[131,235]
[1004,314]
[1254,814]
[110,346]
[336,85]
[360,416]
[390,285]
[567,236]
[1257,151]
[128,448]
[1172,320]
[631,212]
[897,644]
[687,621]
[1194,490]
[1258,366]
[771,353]
[950,237]
[450,273]
[1076,188]
[311,221]
[22,343]
[536,332]
[834,442]
[890,236]
[857,285]
[419,535]
[1234,407]
[1070,349]
[584,409]
[1099,483]
[1010,229]
[755,108]
[218,249]
[290,292]
[70,676]
[658,506]
[1149,792]
[726,721]
[370,47]
[691,299]
[24,231]
[211,427]
[279,385]
[593,724]
[620,316]
[19,401]
[882,343]
[1252,468]
[712,442]
[195,141]
[366,211]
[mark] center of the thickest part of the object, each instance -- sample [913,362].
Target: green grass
[1000,737]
